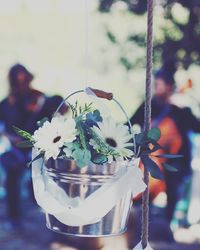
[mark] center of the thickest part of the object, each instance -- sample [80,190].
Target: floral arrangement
[87,136]
[84,137]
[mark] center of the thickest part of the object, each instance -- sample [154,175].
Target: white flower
[117,136]
[51,137]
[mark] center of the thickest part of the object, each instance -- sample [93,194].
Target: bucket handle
[108,96]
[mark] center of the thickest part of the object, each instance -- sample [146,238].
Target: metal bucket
[82,182]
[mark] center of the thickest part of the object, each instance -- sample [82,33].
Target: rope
[86,41]
[147,119]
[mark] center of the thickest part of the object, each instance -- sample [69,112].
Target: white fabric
[78,212]
[194,205]
[139,247]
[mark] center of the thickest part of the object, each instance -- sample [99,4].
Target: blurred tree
[181,33]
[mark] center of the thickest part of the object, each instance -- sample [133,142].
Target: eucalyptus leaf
[154,134]
[97,115]
[67,151]
[152,167]
[169,167]
[93,117]
[144,141]
[82,157]
[99,159]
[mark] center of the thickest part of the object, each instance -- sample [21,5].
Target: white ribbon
[139,247]
[78,212]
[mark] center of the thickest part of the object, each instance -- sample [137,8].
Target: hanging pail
[82,183]
[92,201]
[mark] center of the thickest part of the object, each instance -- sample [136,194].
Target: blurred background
[68,45]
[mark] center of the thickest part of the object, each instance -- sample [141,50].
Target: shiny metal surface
[82,182]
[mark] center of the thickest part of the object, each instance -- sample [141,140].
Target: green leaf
[169,167]
[67,151]
[154,134]
[103,147]
[25,144]
[168,156]
[152,167]
[71,145]
[111,37]
[78,119]
[97,115]
[99,159]
[41,155]
[22,133]
[82,157]
[80,128]
[93,117]
[41,122]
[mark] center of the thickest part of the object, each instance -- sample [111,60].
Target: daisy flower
[116,136]
[50,138]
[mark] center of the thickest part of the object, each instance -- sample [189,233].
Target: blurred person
[174,123]
[23,107]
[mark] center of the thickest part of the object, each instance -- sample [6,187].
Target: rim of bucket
[94,177]
[80,178]
[89,235]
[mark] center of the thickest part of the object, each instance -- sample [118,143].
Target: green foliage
[80,150]
[74,109]
[99,159]
[83,152]
[126,63]
[147,143]
[111,37]
[152,167]
[103,148]
[23,133]
[99,151]
[144,141]
[82,135]
[28,143]
[82,157]
[78,111]
[93,117]
[138,38]
[25,144]
[179,40]
[154,134]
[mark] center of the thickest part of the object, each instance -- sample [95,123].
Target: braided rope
[147,119]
